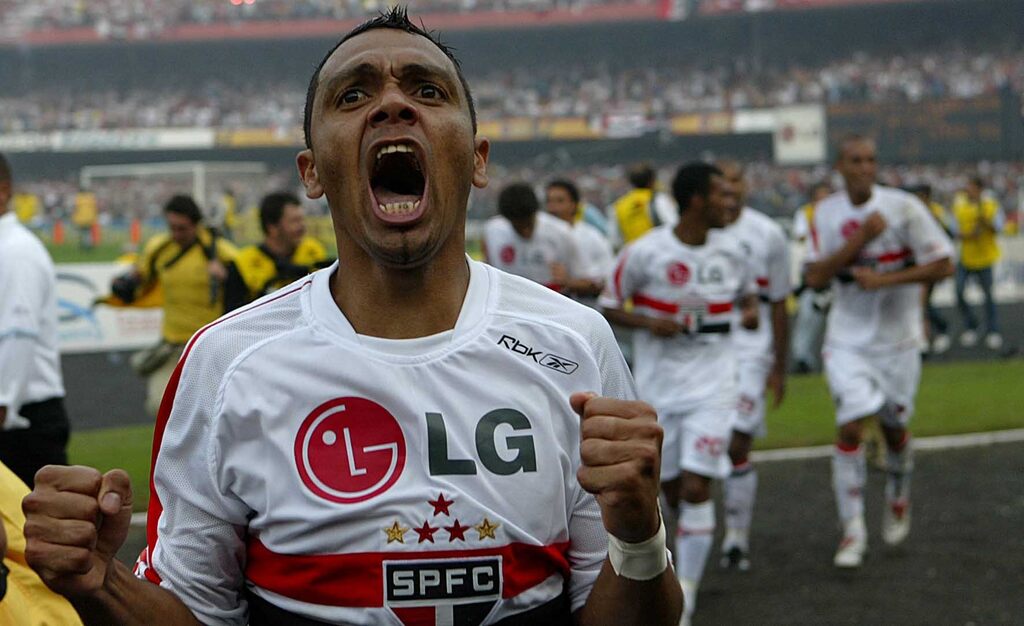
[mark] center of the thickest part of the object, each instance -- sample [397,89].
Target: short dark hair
[977,181]
[5,170]
[272,207]
[397,18]
[693,179]
[641,176]
[568,186]
[184,205]
[517,202]
[846,140]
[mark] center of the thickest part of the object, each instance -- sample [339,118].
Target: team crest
[849,228]
[678,274]
[349,450]
[442,591]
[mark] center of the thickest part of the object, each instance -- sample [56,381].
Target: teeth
[399,208]
[394,148]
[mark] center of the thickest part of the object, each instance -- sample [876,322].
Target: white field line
[945,442]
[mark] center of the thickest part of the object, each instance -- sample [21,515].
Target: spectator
[978,220]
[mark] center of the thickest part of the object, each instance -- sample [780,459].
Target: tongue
[386,196]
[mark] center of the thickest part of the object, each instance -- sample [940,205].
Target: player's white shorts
[697,441]
[750,407]
[873,384]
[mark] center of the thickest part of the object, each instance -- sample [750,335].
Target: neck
[394,303]
[691,230]
[860,197]
[280,249]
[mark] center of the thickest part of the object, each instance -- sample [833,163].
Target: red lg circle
[678,274]
[508,255]
[849,228]
[349,450]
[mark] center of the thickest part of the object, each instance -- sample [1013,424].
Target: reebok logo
[544,359]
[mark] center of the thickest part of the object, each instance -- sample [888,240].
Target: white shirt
[29,358]
[697,286]
[883,319]
[328,471]
[552,241]
[767,251]
[594,251]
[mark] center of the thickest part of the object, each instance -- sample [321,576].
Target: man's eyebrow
[348,75]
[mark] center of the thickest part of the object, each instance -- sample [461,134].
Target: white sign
[800,134]
[85,327]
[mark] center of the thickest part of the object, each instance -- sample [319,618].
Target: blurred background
[108,107]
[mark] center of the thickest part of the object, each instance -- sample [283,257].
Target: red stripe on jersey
[156,507]
[762,281]
[642,299]
[356,579]
[889,257]
[617,278]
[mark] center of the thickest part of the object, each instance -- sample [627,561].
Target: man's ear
[480,154]
[307,172]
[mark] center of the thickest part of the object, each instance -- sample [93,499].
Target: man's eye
[431,91]
[351,96]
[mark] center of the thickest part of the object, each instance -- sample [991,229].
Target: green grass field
[954,398]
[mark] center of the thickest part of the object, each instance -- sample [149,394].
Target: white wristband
[639,561]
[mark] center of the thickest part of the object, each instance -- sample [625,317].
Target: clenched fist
[75,521]
[620,449]
[873,226]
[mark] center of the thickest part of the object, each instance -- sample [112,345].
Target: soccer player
[286,254]
[880,244]
[562,200]
[762,360]
[528,242]
[397,441]
[684,281]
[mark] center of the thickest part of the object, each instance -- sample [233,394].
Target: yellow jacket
[633,214]
[254,272]
[185,283]
[979,244]
[28,601]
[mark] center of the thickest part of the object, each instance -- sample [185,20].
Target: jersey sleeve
[588,537]
[817,238]
[195,528]
[925,237]
[626,278]
[779,284]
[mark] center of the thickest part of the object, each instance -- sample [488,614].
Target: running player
[528,242]
[762,361]
[684,281]
[880,244]
[397,442]
[562,200]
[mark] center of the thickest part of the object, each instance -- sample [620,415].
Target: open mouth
[397,183]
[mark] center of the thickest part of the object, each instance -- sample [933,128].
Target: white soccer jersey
[348,482]
[883,319]
[552,242]
[595,252]
[767,251]
[696,286]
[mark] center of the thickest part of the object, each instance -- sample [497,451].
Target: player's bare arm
[658,326]
[780,350]
[749,312]
[75,521]
[928,273]
[818,275]
[620,450]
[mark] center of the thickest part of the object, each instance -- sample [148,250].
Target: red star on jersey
[441,505]
[426,532]
[458,531]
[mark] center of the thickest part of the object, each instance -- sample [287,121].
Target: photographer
[188,264]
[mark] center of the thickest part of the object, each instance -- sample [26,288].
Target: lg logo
[349,450]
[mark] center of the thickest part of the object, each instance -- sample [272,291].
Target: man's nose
[395,107]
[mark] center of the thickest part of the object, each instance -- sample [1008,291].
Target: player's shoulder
[218,344]
[763,223]
[532,303]
[552,225]
[725,241]
[654,239]
[835,201]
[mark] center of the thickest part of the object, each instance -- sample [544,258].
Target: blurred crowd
[134,19]
[775,190]
[588,91]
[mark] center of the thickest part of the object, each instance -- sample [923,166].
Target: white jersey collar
[474,309]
